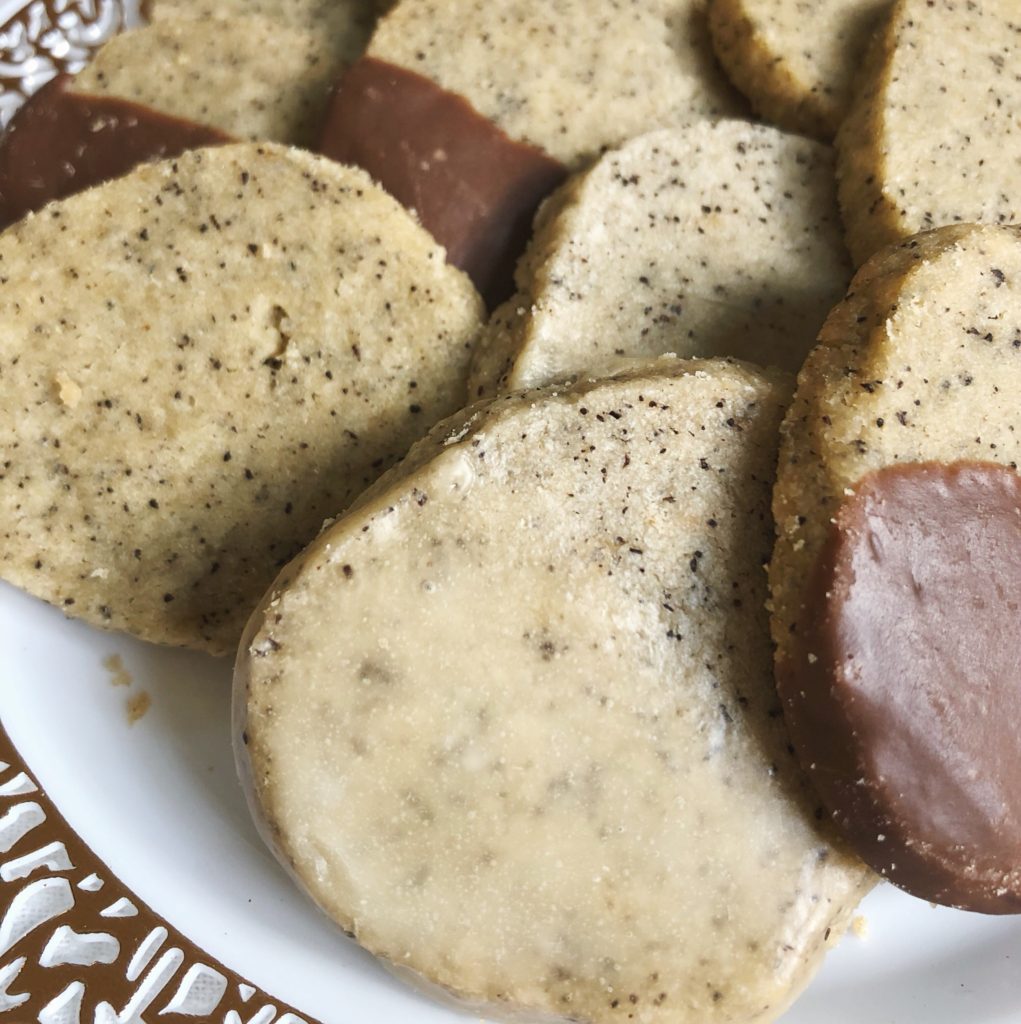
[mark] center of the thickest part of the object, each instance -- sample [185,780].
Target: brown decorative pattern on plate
[77,947]
[39,39]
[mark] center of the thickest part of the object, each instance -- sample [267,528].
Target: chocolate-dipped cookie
[192,78]
[202,361]
[512,722]
[897,568]
[715,238]
[471,111]
[63,141]
[931,137]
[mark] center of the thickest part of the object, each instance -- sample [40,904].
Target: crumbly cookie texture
[250,77]
[345,24]
[931,137]
[571,77]
[512,721]
[921,362]
[717,238]
[201,362]
[795,60]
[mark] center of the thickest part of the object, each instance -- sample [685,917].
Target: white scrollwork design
[40,39]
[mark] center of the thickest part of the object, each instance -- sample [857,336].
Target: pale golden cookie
[932,136]
[571,77]
[202,361]
[345,24]
[795,60]
[250,77]
[512,721]
[717,238]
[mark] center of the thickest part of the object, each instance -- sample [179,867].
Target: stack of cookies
[471,425]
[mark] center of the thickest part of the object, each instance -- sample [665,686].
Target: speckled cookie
[569,77]
[718,238]
[795,60]
[344,24]
[250,77]
[932,137]
[913,391]
[512,721]
[202,361]
[471,112]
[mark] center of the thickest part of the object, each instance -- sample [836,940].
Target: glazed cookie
[795,60]
[512,722]
[202,361]
[718,238]
[932,137]
[471,111]
[345,25]
[898,564]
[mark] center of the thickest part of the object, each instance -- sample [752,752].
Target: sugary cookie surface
[202,362]
[795,59]
[571,77]
[715,238]
[250,77]
[931,137]
[344,24]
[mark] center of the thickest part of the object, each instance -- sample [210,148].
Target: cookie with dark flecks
[512,721]
[345,25]
[250,77]
[471,111]
[931,137]
[716,238]
[192,78]
[898,564]
[202,361]
[62,142]
[795,60]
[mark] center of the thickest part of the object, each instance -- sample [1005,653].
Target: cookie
[931,137]
[259,69]
[344,24]
[470,112]
[62,142]
[795,60]
[250,77]
[718,238]
[512,721]
[898,562]
[203,361]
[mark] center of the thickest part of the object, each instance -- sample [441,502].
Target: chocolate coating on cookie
[472,186]
[905,703]
[62,142]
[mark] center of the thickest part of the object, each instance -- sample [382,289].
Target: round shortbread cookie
[512,722]
[912,391]
[931,137]
[344,24]
[202,361]
[251,77]
[718,238]
[795,60]
[570,77]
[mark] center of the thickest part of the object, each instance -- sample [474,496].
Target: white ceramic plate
[158,803]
